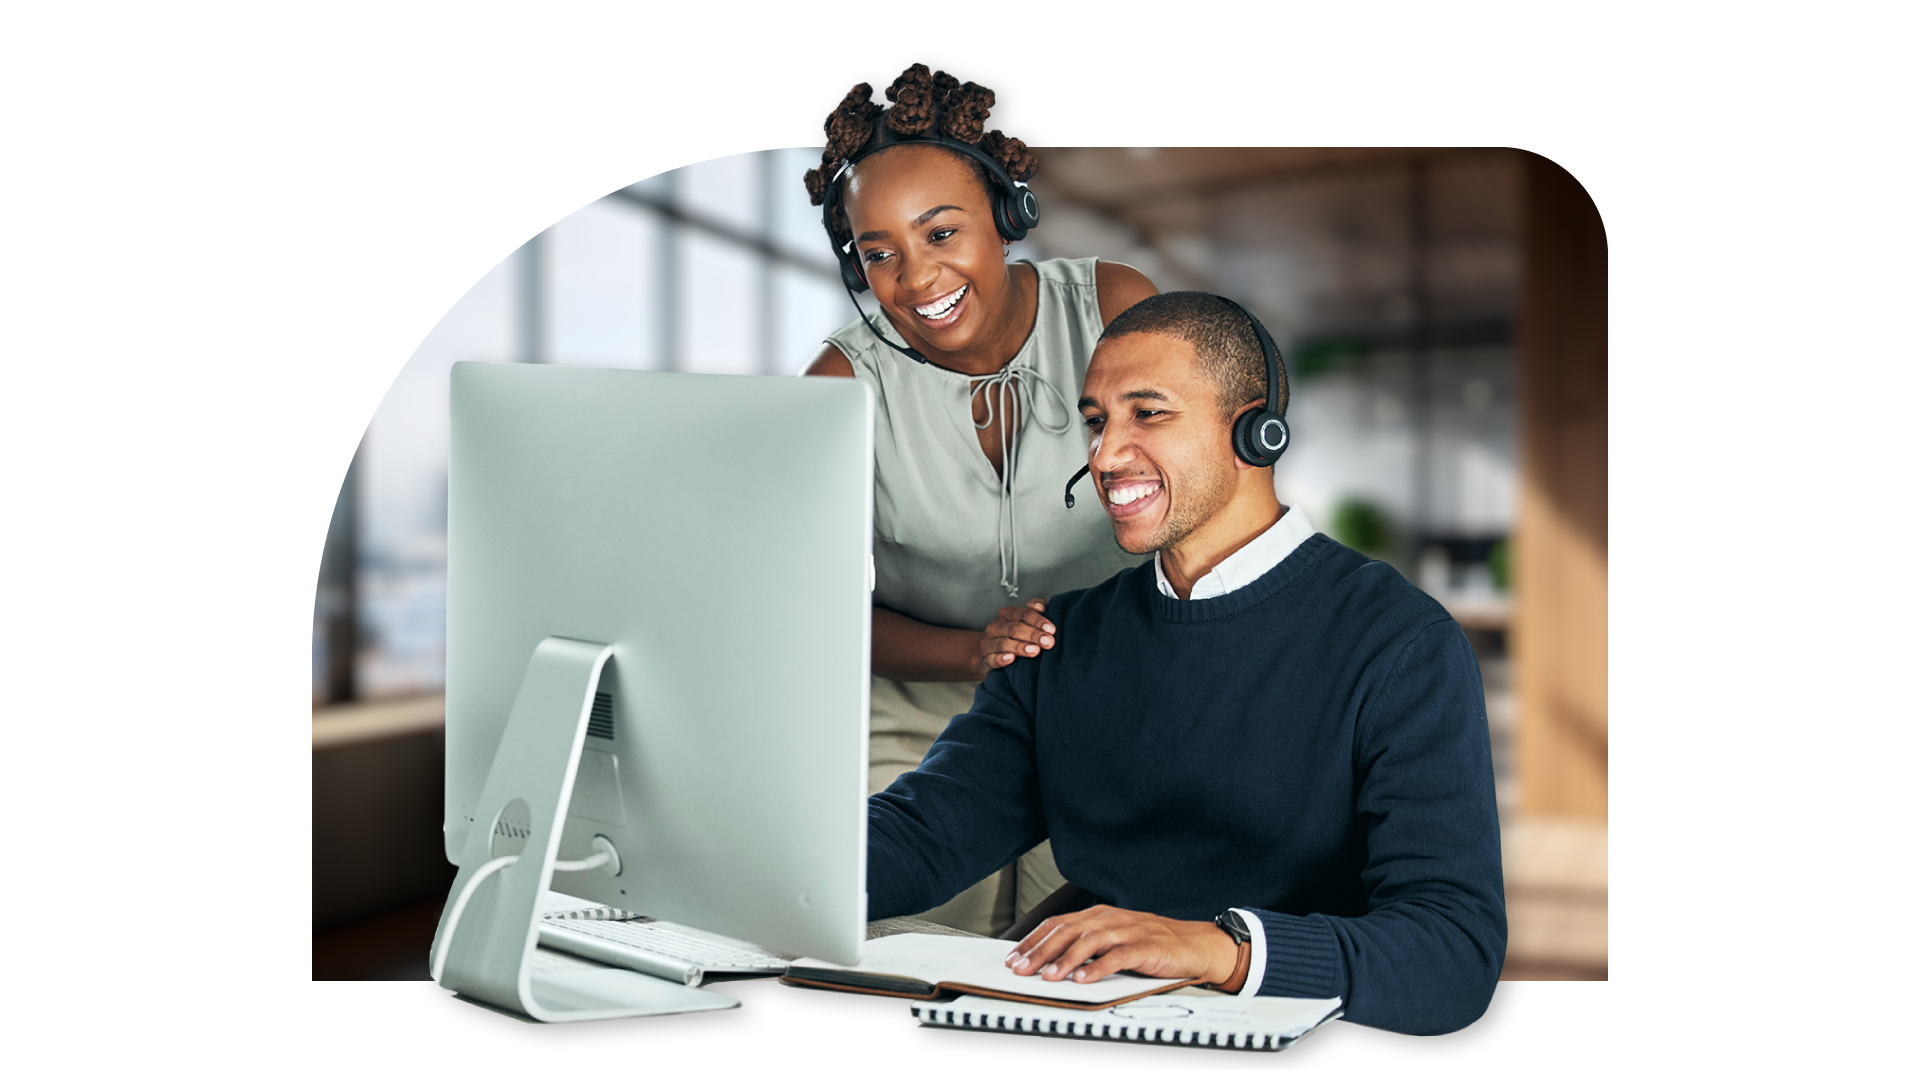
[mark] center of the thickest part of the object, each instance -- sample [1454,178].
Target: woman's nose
[917,273]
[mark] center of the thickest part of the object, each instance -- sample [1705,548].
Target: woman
[975,365]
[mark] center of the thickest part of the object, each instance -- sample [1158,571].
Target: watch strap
[1235,927]
[1237,981]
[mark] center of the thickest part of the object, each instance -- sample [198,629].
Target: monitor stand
[522,806]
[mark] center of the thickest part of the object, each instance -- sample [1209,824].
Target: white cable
[601,857]
[460,904]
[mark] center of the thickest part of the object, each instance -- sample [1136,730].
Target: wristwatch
[1235,927]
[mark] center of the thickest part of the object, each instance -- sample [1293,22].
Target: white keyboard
[662,949]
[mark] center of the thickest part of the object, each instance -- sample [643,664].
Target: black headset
[1259,436]
[1015,210]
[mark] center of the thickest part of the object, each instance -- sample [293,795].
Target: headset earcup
[1252,433]
[1026,209]
[1002,222]
[1272,436]
[850,273]
[1243,447]
[1014,212]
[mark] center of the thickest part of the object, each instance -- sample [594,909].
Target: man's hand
[1017,632]
[1092,944]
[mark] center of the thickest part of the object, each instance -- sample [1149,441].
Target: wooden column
[1559,638]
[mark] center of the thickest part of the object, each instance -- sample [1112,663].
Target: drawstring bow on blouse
[1009,394]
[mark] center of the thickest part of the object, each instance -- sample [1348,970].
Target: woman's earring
[1003,251]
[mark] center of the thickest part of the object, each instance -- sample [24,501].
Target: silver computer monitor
[716,532]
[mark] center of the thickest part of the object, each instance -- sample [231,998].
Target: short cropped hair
[1222,339]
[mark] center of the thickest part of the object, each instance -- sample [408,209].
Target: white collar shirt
[1245,566]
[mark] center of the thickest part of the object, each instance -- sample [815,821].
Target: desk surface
[420,1025]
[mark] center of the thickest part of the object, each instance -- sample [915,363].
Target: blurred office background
[1443,315]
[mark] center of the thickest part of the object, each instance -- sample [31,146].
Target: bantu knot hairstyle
[1222,339]
[924,103]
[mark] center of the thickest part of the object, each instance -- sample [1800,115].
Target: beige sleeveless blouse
[953,542]
[950,535]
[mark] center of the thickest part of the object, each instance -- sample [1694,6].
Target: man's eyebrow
[1131,395]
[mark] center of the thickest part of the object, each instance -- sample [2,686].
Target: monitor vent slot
[600,721]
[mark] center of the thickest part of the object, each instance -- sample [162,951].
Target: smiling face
[924,236]
[1160,449]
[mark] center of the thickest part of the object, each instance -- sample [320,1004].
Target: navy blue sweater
[1312,746]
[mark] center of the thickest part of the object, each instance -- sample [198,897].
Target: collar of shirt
[1245,566]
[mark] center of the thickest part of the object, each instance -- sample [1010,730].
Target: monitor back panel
[716,530]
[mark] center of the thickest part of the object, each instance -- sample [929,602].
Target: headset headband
[1011,202]
[1272,355]
[994,168]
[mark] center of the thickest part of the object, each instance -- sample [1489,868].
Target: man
[1268,752]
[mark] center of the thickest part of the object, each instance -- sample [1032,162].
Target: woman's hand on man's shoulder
[1017,632]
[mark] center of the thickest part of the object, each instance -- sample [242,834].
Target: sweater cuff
[1303,957]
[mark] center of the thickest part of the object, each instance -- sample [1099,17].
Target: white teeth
[934,311]
[1123,496]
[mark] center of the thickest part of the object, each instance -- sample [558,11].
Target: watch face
[1234,925]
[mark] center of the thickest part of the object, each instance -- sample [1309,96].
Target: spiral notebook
[1186,1019]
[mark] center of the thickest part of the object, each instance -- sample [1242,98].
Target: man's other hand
[1092,944]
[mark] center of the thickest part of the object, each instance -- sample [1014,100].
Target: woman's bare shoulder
[1119,287]
[831,361]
